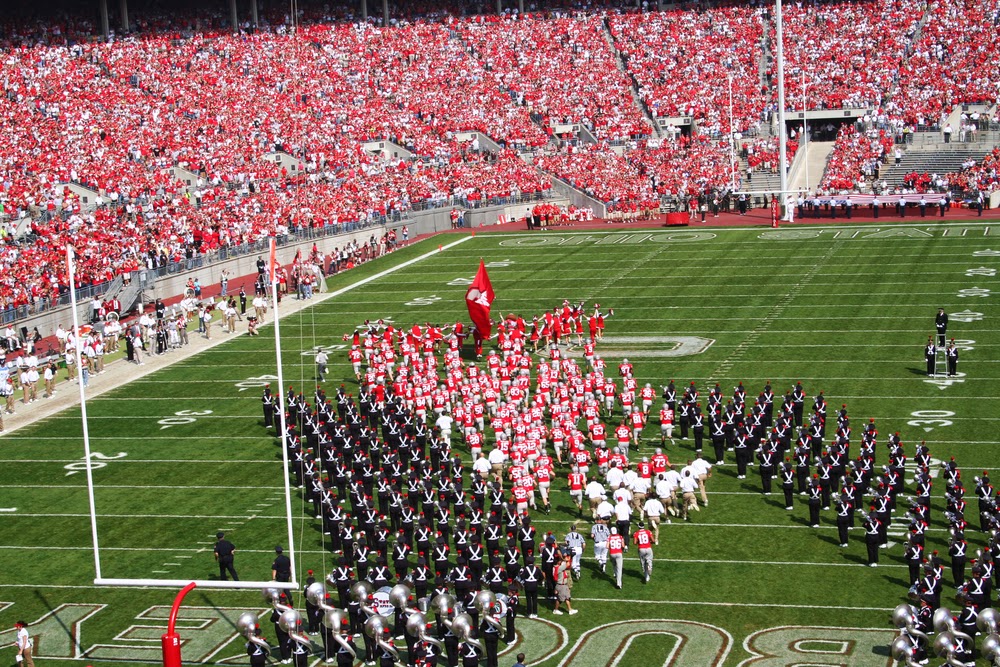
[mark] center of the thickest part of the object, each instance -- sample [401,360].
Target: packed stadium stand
[159,143]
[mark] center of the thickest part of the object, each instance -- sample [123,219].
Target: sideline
[118,373]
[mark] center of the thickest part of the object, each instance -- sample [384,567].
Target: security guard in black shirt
[224,551]
[281,568]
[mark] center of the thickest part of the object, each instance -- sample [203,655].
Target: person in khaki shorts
[564,583]
[702,470]
[653,510]
[25,644]
[688,486]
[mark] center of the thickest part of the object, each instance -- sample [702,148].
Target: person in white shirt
[25,388]
[702,471]
[622,494]
[604,509]
[594,492]
[639,488]
[614,477]
[623,515]
[482,466]
[260,308]
[689,484]
[25,644]
[61,335]
[50,380]
[653,510]
[444,422]
[497,459]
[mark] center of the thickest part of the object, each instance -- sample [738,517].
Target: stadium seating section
[185,92]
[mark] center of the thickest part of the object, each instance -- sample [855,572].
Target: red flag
[273,264]
[479,298]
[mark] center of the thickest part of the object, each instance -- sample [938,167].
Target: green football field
[183,453]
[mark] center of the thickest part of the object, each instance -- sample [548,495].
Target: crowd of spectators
[857,159]
[954,60]
[681,61]
[849,53]
[983,176]
[184,98]
[762,154]
[564,70]
[640,176]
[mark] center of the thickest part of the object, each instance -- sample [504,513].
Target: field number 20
[182,417]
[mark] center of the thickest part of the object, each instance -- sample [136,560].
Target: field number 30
[928,419]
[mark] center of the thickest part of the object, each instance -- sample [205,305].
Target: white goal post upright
[77,352]
[99,578]
[273,268]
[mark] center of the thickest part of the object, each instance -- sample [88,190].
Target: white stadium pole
[281,407]
[77,347]
[780,56]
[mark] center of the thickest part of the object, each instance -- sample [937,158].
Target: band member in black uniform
[531,576]
[957,548]
[798,400]
[952,356]
[815,496]
[766,457]
[257,653]
[718,434]
[873,539]
[930,354]
[268,402]
[787,474]
[312,611]
[490,637]
[284,642]
[470,654]
[843,508]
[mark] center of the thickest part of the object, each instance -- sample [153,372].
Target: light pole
[805,128]
[732,138]
[782,133]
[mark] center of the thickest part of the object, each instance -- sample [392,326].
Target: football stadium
[563,335]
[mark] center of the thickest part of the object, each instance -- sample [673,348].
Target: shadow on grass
[854,558]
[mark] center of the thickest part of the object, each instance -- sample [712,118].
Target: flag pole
[281,406]
[71,268]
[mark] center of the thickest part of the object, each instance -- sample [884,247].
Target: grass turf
[844,310]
